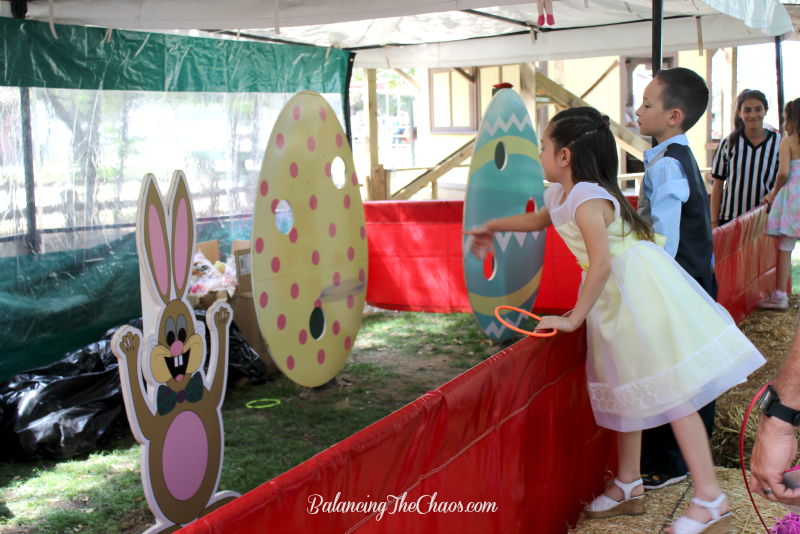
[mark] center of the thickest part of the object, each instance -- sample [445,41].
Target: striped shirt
[749,173]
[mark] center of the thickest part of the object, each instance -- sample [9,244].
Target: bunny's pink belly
[185,455]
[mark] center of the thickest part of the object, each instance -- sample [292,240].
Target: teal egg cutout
[505,174]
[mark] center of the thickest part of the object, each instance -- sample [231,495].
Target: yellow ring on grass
[274,402]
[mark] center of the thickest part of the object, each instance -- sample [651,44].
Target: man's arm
[670,189]
[776,444]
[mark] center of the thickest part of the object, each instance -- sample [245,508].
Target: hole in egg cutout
[312,265]
[505,178]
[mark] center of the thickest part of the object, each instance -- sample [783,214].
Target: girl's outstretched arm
[524,222]
[783,171]
[592,224]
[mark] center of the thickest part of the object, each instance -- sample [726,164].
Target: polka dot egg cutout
[313,262]
[505,178]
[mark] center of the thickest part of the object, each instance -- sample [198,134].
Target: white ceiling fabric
[438,33]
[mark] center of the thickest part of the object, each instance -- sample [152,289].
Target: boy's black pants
[660,451]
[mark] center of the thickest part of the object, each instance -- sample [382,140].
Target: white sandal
[604,506]
[719,524]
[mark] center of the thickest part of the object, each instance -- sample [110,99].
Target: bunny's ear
[182,232]
[152,234]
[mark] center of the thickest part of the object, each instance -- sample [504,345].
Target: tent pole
[779,69]
[19,8]
[658,26]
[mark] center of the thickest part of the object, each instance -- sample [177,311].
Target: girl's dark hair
[586,133]
[738,123]
[792,113]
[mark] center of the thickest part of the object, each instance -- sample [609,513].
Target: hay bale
[666,505]
[772,332]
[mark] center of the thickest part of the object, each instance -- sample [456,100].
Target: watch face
[765,401]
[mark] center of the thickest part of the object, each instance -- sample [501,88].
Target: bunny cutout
[177,418]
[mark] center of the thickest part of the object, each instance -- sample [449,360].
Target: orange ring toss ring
[521,331]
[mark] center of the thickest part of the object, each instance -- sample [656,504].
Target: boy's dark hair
[685,90]
[586,133]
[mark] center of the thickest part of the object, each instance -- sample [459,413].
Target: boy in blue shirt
[674,200]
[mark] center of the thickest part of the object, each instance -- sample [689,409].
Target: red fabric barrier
[745,261]
[516,430]
[415,261]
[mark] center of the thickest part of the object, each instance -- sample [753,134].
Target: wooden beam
[470,78]
[600,79]
[632,143]
[443,167]
[372,132]
[407,77]
[527,81]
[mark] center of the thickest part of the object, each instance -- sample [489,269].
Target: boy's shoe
[655,480]
[774,302]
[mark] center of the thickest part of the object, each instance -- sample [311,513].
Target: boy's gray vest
[695,245]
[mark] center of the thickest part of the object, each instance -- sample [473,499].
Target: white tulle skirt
[659,347]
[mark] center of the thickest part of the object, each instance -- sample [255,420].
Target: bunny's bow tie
[166,399]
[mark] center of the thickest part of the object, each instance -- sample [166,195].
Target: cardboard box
[242,303]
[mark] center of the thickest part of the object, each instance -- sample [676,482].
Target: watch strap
[784,413]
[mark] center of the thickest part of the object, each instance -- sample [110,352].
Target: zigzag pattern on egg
[505,125]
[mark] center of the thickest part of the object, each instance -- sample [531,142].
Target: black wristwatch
[771,406]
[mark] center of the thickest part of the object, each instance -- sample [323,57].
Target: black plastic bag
[66,408]
[75,405]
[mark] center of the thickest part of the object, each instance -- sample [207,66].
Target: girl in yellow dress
[658,347]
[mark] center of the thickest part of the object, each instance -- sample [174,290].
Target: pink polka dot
[264,188]
[281,322]
[321,357]
[290,362]
[317,303]
[296,113]
[313,202]
[311,144]
[303,337]
[293,170]
[293,235]
[336,279]
[347,202]
[335,328]
[263,300]
[295,291]
[363,233]
[276,264]
[339,140]
[315,257]
[361,275]
[328,169]
[274,205]
[351,253]
[322,115]
[347,342]
[354,179]
[350,301]
[259,245]
[279,140]
[332,230]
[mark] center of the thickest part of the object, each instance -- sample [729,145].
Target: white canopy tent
[440,33]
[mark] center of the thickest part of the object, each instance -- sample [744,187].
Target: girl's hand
[769,198]
[483,241]
[563,324]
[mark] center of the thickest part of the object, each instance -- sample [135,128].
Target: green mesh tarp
[103,113]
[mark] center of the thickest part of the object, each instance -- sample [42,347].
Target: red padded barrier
[415,260]
[745,263]
[516,430]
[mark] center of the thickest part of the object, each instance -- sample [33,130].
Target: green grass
[101,492]
[795,275]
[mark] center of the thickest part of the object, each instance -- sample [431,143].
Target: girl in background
[784,219]
[659,347]
[745,163]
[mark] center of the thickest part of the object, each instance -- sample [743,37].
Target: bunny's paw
[221,318]
[130,345]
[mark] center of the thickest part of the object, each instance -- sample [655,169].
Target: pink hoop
[515,329]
